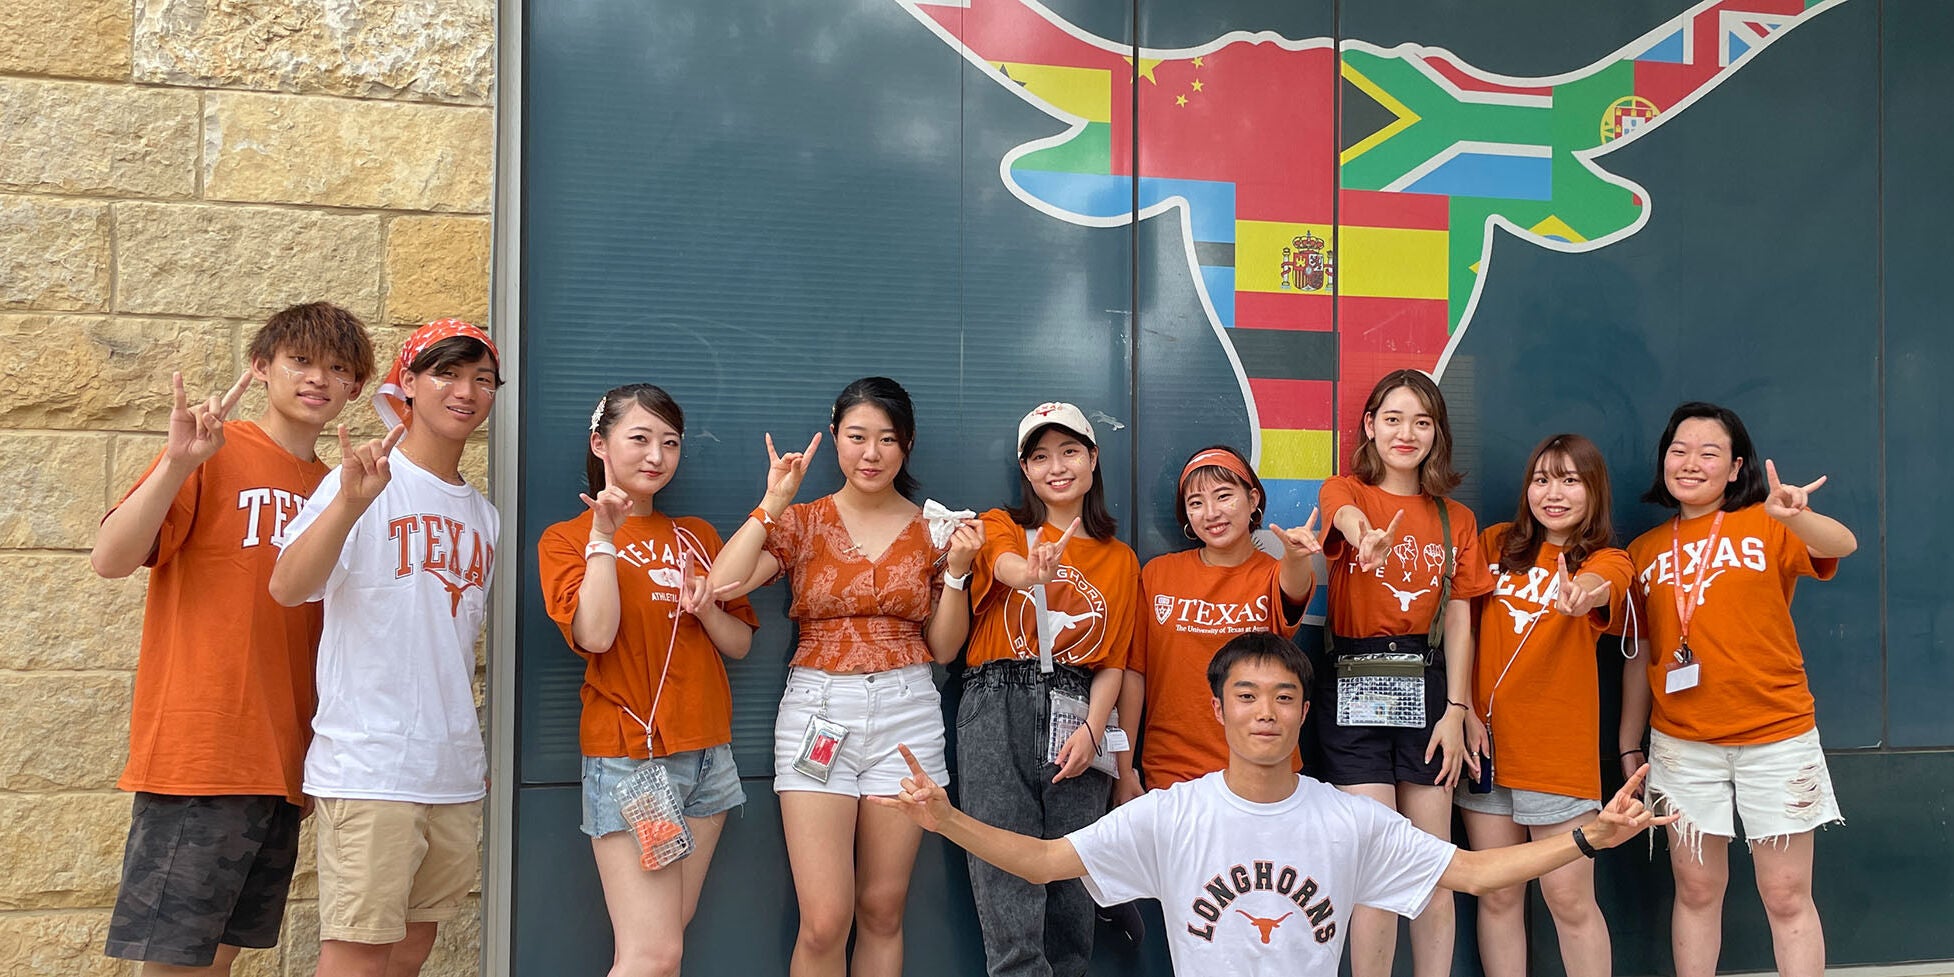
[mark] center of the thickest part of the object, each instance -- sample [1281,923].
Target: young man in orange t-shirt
[224,683]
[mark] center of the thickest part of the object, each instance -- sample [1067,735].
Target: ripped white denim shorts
[1779,789]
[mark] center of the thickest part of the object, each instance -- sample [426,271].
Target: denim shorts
[706,780]
[1778,789]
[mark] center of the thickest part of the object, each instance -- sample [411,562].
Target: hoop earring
[1187,531]
[1255,515]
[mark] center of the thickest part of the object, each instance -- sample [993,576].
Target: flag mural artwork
[1327,255]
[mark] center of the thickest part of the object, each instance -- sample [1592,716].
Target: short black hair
[1749,488]
[1260,646]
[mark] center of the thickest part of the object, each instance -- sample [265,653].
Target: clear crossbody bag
[646,798]
[1387,688]
[1066,712]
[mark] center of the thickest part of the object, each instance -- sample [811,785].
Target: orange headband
[1220,458]
[390,401]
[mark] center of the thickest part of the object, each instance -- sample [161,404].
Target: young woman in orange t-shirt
[1393,572]
[626,584]
[1072,594]
[1735,731]
[1558,586]
[876,602]
[1191,603]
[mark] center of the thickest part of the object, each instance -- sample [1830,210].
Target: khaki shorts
[384,864]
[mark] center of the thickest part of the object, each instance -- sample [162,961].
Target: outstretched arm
[1479,872]
[1036,860]
[1824,537]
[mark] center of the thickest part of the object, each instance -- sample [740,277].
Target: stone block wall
[172,172]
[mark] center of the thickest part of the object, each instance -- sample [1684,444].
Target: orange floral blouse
[855,615]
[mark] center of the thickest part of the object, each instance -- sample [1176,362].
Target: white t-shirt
[404,604]
[1255,889]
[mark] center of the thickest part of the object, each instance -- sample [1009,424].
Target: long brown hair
[1559,455]
[1436,476]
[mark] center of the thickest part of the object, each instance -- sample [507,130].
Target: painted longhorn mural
[1327,258]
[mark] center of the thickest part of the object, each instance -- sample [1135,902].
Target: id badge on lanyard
[1684,672]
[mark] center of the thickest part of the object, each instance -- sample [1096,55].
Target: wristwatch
[955,582]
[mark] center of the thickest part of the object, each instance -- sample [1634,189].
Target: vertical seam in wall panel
[1336,226]
[1879,351]
[1133,283]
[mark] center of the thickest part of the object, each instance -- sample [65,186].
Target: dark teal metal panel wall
[750,203]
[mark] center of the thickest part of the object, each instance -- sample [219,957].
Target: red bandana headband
[390,400]
[1218,458]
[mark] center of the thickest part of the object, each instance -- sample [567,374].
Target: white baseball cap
[1061,414]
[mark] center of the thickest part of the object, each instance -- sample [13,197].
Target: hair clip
[598,414]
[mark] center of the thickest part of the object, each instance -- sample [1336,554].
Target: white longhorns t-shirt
[404,604]
[1254,889]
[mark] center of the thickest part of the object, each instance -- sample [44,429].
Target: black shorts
[200,871]
[1354,755]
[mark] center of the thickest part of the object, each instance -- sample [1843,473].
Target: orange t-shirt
[1188,610]
[1400,597]
[1752,686]
[695,711]
[1091,602]
[1546,716]
[224,685]
[855,615]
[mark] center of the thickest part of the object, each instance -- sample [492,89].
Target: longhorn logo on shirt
[1075,617]
[447,549]
[1257,882]
[1521,618]
[1267,927]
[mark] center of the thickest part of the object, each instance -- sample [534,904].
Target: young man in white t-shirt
[1257,868]
[401,549]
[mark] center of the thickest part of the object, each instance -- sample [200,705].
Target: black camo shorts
[200,871]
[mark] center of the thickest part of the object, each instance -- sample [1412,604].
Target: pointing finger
[1069,532]
[1392,529]
[1309,525]
[813,443]
[1634,784]
[1771,474]
[345,446]
[176,382]
[393,438]
[1813,487]
[236,394]
[914,767]
[587,500]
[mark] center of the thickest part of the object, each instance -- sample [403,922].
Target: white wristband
[598,547]
[956,583]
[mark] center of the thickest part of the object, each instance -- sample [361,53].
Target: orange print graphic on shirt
[445,548]
[1267,927]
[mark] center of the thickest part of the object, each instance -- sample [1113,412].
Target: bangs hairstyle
[1093,517]
[1216,473]
[1561,455]
[1260,646]
[316,329]
[1436,476]
[889,397]
[454,351]
[618,402]
[1749,488]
